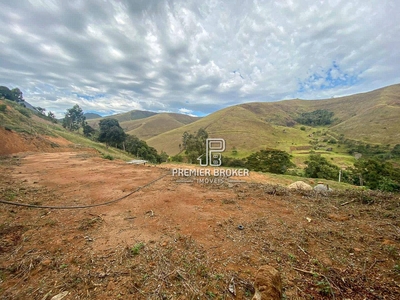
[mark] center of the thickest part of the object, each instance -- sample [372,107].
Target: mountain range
[371,117]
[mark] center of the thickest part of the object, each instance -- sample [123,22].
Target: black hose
[83,206]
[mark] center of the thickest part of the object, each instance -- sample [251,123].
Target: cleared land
[173,240]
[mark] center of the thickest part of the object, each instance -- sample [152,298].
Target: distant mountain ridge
[90,116]
[372,117]
[147,124]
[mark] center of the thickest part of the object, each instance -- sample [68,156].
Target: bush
[3,107]
[302,128]
[177,158]
[269,160]
[320,167]
[24,111]
[316,118]
[108,156]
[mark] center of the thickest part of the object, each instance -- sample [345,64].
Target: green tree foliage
[88,130]
[194,145]
[74,118]
[233,162]
[14,94]
[111,132]
[5,93]
[377,174]
[319,167]
[41,110]
[52,117]
[269,160]
[17,95]
[318,117]
[140,149]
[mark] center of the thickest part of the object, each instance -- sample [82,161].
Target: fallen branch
[348,202]
[318,274]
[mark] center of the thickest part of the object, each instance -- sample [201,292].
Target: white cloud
[163,56]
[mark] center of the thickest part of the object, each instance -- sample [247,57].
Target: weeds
[108,156]
[136,249]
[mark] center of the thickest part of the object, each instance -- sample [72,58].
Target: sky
[194,57]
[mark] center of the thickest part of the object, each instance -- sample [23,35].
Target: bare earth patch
[174,240]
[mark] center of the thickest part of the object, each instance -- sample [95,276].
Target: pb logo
[214,147]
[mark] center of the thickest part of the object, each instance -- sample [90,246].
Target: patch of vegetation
[140,149]
[194,145]
[74,118]
[318,117]
[108,156]
[3,107]
[24,111]
[135,250]
[269,160]
[319,167]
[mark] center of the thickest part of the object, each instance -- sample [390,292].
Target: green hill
[90,116]
[152,126]
[128,116]
[372,117]
[145,125]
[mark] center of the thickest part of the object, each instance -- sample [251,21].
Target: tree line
[16,95]
[372,172]
[112,134]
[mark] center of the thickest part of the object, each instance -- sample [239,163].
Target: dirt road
[175,240]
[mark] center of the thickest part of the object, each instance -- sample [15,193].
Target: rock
[322,188]
[300,185]
[110,286]
[268,284]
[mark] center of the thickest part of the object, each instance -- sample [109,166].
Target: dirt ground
[172,240]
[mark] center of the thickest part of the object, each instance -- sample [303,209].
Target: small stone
[268,284]
[111,286]
[46,262]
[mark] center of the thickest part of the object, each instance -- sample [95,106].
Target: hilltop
[146,124]
[372,117]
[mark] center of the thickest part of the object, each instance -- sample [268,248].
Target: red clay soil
[173,240]
[12,142]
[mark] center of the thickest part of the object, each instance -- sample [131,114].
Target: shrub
[177,158]
[24,111]
[108,156]
[3,107]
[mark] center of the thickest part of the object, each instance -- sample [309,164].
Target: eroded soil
[173,240]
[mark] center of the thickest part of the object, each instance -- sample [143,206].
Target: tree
[111,132]
[74,118]
[140,148]
[377,175]
[5,92]
[17,95]
[52,117]
[40,110]
[88,130]
[194,145]
[269,160]
[319,167]
[316,118]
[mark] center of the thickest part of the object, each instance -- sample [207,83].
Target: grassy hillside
[129,116]
[30,132]
[149,127]
[372,117]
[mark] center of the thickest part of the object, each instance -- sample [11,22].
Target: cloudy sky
[194,57]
